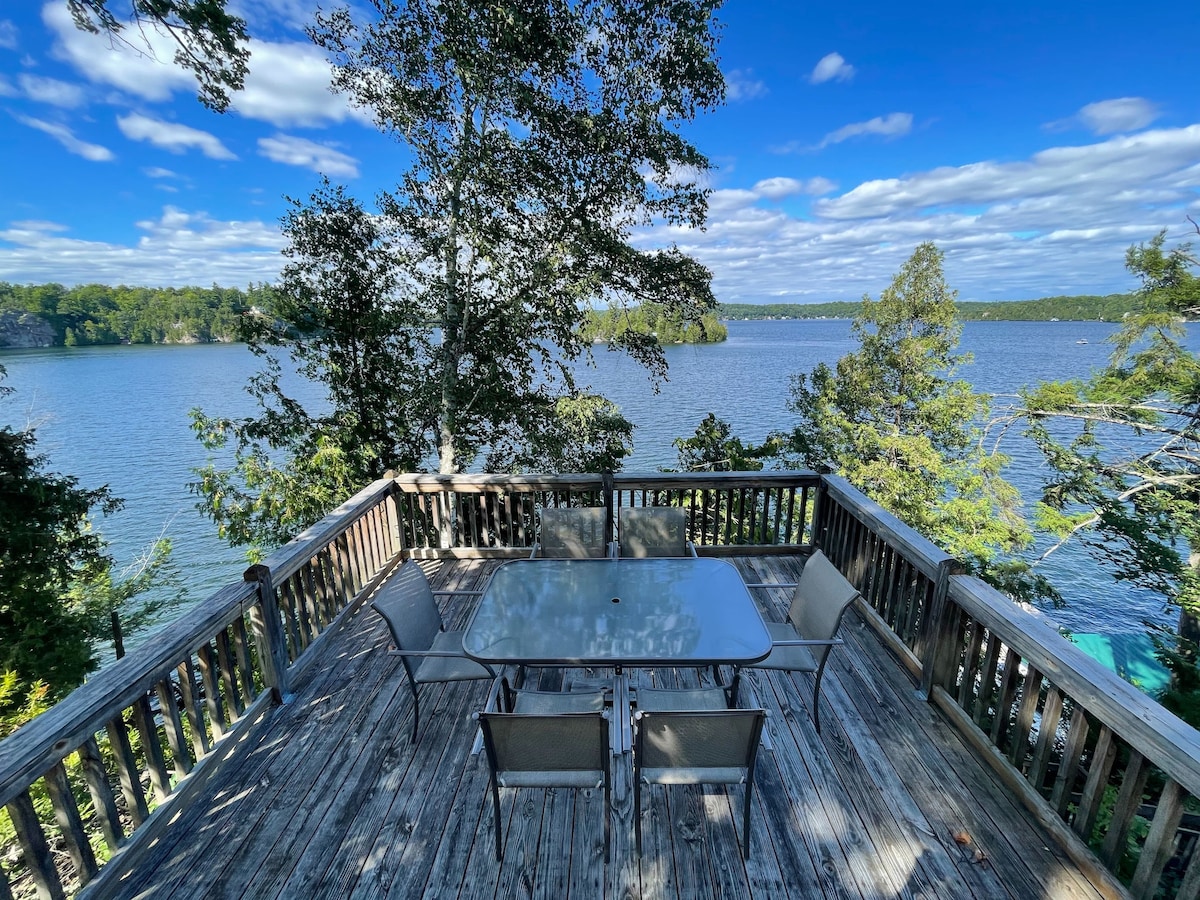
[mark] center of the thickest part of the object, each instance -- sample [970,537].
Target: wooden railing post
[818,526]
[608,490]
[935,648]
[268,632]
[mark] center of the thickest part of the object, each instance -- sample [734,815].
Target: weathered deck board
[328,798]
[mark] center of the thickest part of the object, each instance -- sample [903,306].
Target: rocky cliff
[22,330]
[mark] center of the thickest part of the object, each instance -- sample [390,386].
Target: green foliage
[713,448]
[99,314]
[1124,451]
[1088,307]
[577,433]
[665,325]
[891,418]
[19,703]
[46,546]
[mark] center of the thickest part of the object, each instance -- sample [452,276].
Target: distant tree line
[669,326]
[100,314]
[1083,308]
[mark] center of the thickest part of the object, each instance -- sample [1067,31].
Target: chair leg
[746,821]
[817,698]
[496,818]
[637,812]
[416,714]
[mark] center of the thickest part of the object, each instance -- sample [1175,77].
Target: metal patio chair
[802,643]
[710,746]
[549,749]
[571,532]
[430,653]
[653,531]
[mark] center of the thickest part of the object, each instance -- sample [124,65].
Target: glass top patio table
[615,612]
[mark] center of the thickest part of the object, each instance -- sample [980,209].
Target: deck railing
[1100,764]
[1105,768]
[173,706]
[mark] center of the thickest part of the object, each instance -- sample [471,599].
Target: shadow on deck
[326,797]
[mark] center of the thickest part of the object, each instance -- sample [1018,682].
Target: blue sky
[1032,142]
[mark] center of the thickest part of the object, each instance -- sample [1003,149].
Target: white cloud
[7,89]
[289,86]
[320,158]
[51,90]
[158,172]
[179,248]
[778,188]
[832,67]
[889,126]
[66,137]
[1056,222]
[172,136]
[1123,114]
[146,72]
[8,35]
[740,84]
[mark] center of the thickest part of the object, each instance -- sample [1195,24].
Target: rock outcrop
[22,330]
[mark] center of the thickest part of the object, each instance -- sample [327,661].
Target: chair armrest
[769,585]
[472,593]
[691,548]
[449,654]
[535,549]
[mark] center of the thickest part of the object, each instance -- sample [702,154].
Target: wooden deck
[326,797]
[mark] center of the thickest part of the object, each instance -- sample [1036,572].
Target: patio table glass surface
[597,612]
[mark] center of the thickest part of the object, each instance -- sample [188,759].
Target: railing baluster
[32,840]
[1129,799]
[127,772]
[1099,771]
[66,814]
[1047,733]
[1160,842]
[1068,766]
[103,801]
[173,726]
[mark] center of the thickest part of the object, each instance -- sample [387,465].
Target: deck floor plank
[327,797]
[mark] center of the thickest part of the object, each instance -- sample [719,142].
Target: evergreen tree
[894,421]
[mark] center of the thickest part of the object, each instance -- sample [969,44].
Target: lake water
[119,416]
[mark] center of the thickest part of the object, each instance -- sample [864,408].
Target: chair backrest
[821,597]
[559,750]
[407,604]
[698,747]
[572,532]
[653,531]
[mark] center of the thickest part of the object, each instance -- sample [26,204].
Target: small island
[655,319]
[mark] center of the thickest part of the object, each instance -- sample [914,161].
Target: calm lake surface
[119,416]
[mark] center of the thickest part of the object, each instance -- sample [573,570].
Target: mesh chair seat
[546,703]
[448,668]
[792,659]
[658,700]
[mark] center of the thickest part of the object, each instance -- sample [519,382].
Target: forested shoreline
[54,315]
[1080,308]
